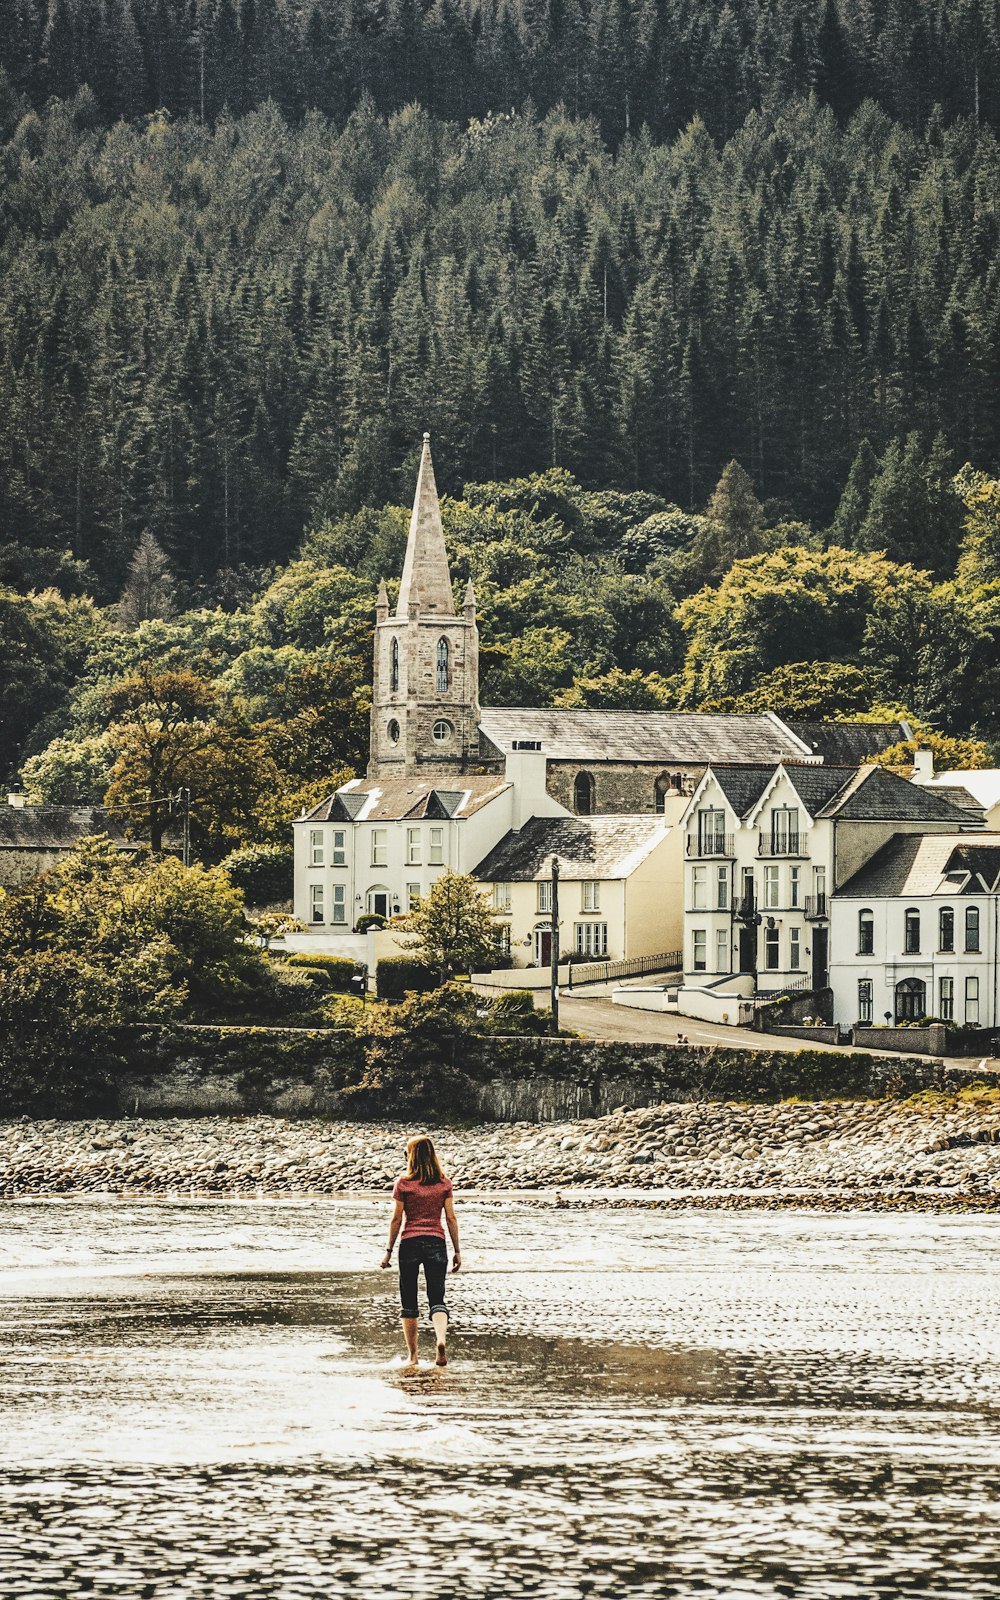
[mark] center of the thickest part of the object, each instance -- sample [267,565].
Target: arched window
[394,667]
[946,928]
[661,788]
[583,794]
[677,782]
[972,927]
[442,666]
[911,1000]
[911,932]
[866,933]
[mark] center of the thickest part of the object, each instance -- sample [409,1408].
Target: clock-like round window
[393,731]
[442,731]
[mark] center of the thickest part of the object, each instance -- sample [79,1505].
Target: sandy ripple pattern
[203,1398]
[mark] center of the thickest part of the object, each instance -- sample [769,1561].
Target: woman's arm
[394,1227]
[452,1221]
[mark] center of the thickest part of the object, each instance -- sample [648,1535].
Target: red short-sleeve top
[423,1204]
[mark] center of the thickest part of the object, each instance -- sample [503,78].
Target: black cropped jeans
[429,1252]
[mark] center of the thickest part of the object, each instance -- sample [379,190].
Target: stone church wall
[619,787]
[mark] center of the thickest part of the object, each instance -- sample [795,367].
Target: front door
[748,949]
[821,945]
[378,901]
[543,947]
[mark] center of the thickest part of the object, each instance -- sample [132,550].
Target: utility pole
[184,799]
[554,947]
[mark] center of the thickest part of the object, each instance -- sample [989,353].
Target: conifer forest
[699,301]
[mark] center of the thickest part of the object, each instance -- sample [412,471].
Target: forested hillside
[700,302]
[223,333]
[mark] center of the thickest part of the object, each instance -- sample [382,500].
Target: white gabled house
[764,850]
[914,933]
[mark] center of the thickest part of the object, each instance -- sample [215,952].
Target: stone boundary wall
[930,1041]
[820,1035]
[287,1072]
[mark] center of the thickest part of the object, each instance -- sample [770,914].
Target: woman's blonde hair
[421,1160]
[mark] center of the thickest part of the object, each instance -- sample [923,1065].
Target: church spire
[426,581]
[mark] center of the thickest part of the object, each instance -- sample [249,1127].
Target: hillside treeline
[626,62]
[223,334]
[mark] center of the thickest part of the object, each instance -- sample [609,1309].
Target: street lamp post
[554,947]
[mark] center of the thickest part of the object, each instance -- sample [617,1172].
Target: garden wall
[234,1071]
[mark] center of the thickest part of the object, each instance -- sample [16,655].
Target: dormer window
[442,666]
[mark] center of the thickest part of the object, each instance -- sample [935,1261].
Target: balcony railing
[714,844]
[816,908]
[744,907]
[788,845]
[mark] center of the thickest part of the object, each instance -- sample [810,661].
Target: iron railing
[714,844]
[816,908]
[744,907]
[770,845]
[636,967]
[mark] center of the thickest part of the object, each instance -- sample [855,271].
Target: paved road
[597,1018]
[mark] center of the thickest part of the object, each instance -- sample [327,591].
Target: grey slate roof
[46,828]
[389,799]
[586,847]
[847,744]
[877,795]
[916,864]
[743,786]
[651,737]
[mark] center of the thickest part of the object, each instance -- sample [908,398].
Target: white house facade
[914,933]
[764,850]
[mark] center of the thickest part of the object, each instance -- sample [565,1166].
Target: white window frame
[317,847]
[435,854]
[317,907]
[338,907]
[338,852]
[795,887]
[973,917]
[699,888]
[590,895]
[946,999]
[699,950]
[412,896]
[795,949]
[413,847]
[592,939]
[543,896]
[722,889]
[866,1000]
[972,1002]
[819,882]
[723,951]
[501,897]
[772,946]
[380,847]
[772,888]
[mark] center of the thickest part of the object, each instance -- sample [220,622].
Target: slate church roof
[663,738]
[51,828]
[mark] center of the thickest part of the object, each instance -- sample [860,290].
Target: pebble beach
[933,1151]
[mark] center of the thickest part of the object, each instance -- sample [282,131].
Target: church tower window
[394,667]
[583,794]
[442,666]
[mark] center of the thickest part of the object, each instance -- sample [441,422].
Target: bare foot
[442,1360]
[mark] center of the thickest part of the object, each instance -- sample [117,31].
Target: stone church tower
[425,707]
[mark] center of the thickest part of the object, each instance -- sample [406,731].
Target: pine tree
[149,587]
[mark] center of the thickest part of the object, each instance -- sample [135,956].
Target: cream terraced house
[619,888]
[764,850]
[915,933]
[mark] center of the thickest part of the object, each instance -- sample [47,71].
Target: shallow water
[205,1399]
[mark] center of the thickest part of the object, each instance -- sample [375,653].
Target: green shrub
[370,919]
[396,976]
[514,1012]
[339,970]
[262,871]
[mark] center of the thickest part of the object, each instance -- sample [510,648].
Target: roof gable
[603,847]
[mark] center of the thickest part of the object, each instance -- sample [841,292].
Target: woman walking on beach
[421,1193]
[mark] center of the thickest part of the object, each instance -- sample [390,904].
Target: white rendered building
[914,933]
[764,850]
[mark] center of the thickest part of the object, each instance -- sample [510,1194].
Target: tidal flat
[204,1397]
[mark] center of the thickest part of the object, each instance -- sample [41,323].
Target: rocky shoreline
[933,1151]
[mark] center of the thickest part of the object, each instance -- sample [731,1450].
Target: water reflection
[799,1406]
